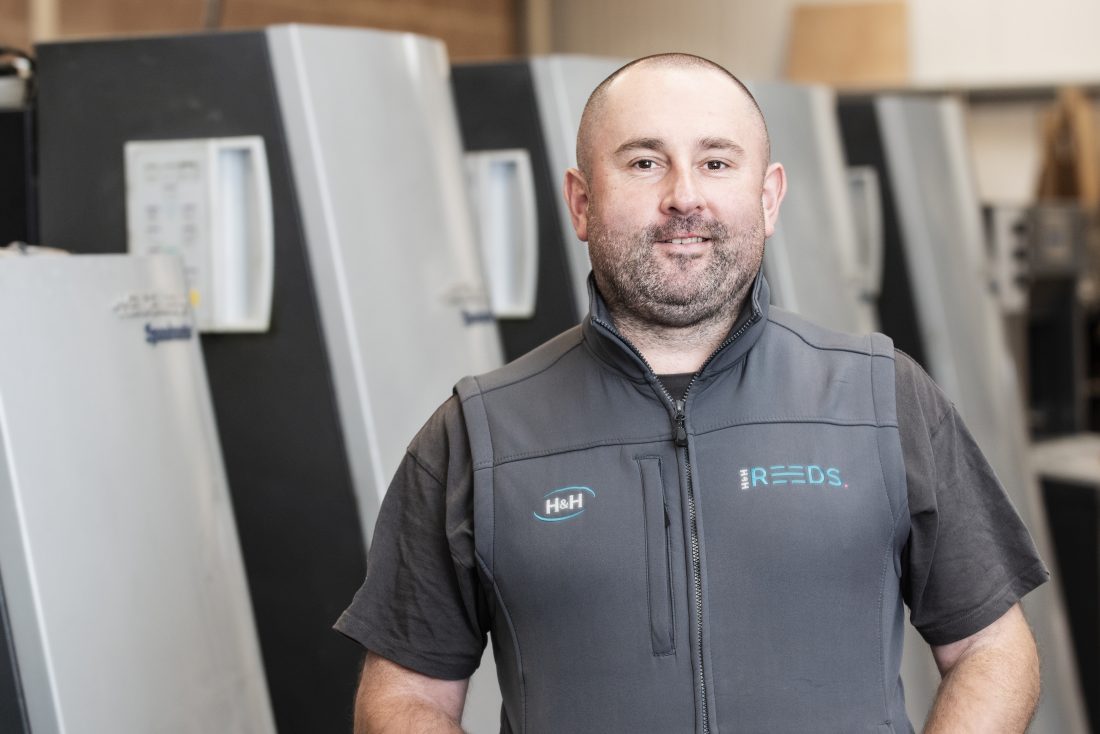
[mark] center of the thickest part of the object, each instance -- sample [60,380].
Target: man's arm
[395,700]
[990,679]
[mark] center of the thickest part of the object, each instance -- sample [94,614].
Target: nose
[683,195]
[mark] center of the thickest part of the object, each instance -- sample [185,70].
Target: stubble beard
[656,290]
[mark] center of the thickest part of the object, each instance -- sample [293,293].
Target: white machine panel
[118,551]
[562,86]
[207,200]
[813,259]
[379,174]
[379,170]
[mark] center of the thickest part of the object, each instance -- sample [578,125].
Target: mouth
[690,240]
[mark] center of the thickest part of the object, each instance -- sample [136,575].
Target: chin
[678,316]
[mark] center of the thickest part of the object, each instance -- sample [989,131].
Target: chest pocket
[658,555]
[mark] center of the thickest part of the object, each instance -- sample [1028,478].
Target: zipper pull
[679,434]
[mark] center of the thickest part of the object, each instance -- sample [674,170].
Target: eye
[717,165]
[644,164]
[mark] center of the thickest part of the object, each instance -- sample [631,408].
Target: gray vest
[729,563]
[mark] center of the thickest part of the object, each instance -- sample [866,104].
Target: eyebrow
[721,144]
[640,144]
[713,143]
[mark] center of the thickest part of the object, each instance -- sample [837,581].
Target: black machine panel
[896,309]
[497,109]
[1073,511]
[17,195]
[273,394]
[13,715]
[1056,357]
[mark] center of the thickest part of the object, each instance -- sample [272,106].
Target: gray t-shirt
[969,557]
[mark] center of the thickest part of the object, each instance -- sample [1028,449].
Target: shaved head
[597,101]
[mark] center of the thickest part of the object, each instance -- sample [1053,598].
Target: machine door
[121,568]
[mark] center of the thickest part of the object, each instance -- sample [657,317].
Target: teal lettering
[834,477]
[815,474]
[759,473]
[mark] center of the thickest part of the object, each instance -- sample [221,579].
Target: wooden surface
[121,17]
[472,29]
[864,44]
[1070,166]
[15,23]
[535,21]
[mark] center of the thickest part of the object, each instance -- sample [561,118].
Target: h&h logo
[563,504]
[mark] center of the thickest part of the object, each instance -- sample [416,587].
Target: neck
[674,350]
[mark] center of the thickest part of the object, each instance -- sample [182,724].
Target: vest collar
[613,348]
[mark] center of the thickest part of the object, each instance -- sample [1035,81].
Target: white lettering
[558,504]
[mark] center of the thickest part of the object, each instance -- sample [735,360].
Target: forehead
[678,105]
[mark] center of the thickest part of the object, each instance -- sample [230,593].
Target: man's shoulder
[440,439]
[804,333]
[919,398]
[536,362]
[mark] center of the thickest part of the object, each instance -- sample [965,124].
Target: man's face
[675,206]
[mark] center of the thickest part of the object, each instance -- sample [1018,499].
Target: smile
[686,240]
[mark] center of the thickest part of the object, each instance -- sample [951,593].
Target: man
[693,512]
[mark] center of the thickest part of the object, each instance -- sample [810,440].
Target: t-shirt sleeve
[420,604]
[969,557]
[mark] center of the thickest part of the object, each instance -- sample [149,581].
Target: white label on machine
[166,315]
[150,305]
[208,201]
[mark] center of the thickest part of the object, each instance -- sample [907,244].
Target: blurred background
[248,259]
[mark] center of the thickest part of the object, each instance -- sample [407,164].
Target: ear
[575,190]
[774,189]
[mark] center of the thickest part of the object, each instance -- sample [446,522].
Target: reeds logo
[564,504]
[780,474]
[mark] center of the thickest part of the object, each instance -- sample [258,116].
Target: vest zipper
[696,553]
[680,438]
[697,575]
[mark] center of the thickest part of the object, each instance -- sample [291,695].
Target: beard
[675,290]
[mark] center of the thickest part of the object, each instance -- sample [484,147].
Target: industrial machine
[312,181]
[123,602]
[531,109]
[937,305]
